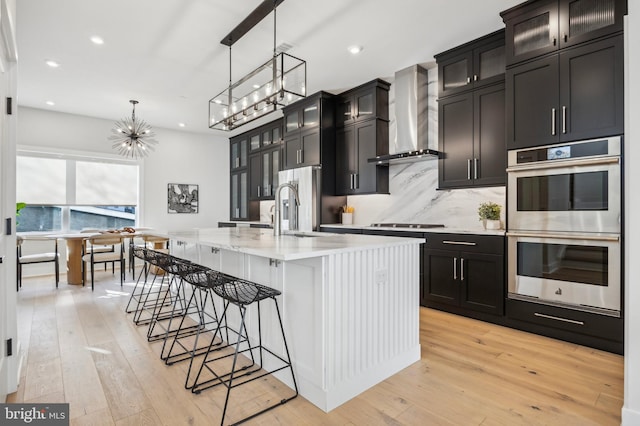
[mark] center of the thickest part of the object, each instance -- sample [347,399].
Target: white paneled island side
[350,303]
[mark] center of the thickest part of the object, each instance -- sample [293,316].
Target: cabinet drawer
[466,242]
[553,317]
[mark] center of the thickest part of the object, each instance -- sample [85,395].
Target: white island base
[349,304]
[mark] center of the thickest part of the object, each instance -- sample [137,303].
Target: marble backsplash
[414,198]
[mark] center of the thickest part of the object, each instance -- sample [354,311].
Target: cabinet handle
[564,119]
[237,163]
[259,188]
[475,77]
[475,168]
[459,243]
[566,38]
[215,250]
[462,269]
[237,212]
[558,318]
[352,180]
[455,268]
[555,41]
[468,80]
[301,156]
[553,121]
[468,168]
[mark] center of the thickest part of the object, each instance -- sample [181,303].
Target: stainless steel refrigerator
[317,206]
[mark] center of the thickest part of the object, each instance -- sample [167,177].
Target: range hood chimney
[411,113]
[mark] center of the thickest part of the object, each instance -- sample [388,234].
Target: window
[71,193]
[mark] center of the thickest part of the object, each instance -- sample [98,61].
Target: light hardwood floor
[81,348]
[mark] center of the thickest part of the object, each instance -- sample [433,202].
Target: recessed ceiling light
[181,124]
[50,103]
[256,86]
[52,64]
[97,40]
[354,50]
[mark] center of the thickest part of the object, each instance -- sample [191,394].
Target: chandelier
[133,137]
[277,82]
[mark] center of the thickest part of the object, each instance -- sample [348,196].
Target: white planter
[347,218]
[491,224]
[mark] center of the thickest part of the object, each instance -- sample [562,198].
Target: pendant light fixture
[278,82]
[133,137]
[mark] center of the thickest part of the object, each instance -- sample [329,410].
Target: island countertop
[290,246]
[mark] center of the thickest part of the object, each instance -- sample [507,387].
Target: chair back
[108,239]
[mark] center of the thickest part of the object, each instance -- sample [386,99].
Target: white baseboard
[630,417]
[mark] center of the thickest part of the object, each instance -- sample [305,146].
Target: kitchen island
[350,303]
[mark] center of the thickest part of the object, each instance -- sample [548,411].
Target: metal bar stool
[139,289]
[196,316]
[146,295]
[242,293]
[175,303]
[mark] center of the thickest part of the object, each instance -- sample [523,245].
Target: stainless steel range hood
[410,143]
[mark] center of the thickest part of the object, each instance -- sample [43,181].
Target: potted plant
[489,214]
[19,206]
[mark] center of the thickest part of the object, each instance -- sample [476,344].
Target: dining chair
[33,258]
[97,249]
[93,256]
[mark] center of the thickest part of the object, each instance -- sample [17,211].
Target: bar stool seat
[242,293]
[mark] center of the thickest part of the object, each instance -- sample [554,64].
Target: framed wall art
[182,198]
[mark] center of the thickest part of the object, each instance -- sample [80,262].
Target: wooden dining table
[75,242]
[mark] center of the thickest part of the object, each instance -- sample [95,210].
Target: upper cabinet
[565,71]
[472,65]
[309,136]
[539,27]
[371,100]
[555,99]
[265,163]
[238,151]
[362,132]
[471,123]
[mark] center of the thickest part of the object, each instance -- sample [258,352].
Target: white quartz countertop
[262,242]
[446,230]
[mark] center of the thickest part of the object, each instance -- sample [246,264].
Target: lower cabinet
[465,272]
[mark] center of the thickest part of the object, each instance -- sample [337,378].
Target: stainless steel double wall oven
[564,225]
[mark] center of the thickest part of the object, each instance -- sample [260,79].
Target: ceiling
[167,54]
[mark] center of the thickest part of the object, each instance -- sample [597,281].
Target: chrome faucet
[277,225]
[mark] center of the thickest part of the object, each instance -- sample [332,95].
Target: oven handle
[610,238]
[568,163]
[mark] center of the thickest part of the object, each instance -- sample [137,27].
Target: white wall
[631,408]
[180,157]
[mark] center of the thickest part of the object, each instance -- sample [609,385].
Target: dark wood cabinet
[309,133]
[263,172]
[472,65]
[362,121]
[576,94]
[239,177]
[355,144]
[238,149]
[465,272]
[583,328]
[255,162]
[539,27]
[239,195]
[367,101]
[472,138]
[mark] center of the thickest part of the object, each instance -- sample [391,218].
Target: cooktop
[406,225]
